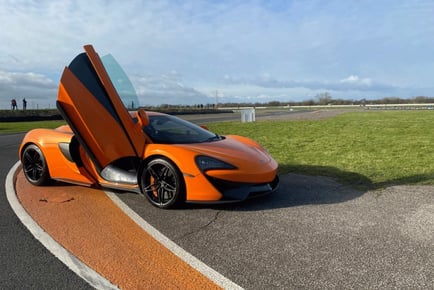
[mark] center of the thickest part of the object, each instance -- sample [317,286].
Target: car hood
[235,150]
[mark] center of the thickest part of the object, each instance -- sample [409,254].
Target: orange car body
[105,145]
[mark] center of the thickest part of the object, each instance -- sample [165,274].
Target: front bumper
[236,191]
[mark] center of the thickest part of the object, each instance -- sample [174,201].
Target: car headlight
[206,163]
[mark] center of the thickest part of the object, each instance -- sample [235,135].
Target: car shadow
[296,190]
[315,185]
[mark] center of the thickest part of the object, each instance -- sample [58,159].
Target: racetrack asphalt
[313,233]
[25,263]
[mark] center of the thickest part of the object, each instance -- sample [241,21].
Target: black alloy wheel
[34,165]
[162,183]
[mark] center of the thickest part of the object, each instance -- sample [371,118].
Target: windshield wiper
[214,138]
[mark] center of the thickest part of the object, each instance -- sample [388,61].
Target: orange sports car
[165,158]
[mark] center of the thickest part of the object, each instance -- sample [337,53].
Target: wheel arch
[27,144]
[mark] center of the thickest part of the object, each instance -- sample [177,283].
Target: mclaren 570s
[167,159]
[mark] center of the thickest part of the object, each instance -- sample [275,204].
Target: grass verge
[19,127]
[364,149]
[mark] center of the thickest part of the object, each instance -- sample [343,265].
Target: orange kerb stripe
[89,225]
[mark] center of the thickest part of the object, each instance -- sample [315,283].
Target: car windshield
[167,129]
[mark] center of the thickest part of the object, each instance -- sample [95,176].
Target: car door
[91,106]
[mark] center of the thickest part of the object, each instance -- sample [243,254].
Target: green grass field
[19,127]
[364,149]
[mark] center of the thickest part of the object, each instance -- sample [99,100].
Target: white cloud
[167,89]
[271,45]
[353,82]
[37,88]
[356,81]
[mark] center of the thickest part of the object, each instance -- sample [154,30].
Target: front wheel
[34,165]
[162,183]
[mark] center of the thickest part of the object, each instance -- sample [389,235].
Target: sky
[199,52]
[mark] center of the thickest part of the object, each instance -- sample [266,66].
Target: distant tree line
[320,99]
[327,99]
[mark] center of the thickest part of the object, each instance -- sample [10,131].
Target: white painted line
[89,275]
[210,273]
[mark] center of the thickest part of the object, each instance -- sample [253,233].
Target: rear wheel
[162,183]
[34,165]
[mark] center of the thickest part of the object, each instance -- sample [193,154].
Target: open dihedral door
[89,103]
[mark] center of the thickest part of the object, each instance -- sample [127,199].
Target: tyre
[34,165]
[162,183]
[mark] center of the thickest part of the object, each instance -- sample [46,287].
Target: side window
[174,128]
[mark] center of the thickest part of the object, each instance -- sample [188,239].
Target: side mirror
[142,118]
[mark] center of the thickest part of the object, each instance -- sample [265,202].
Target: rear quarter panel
[58,165]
